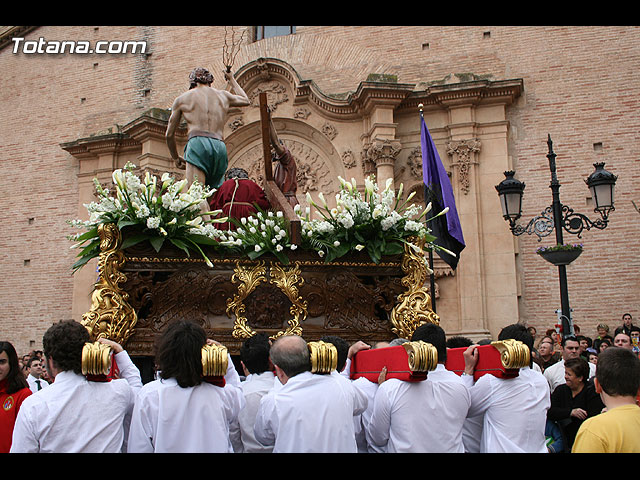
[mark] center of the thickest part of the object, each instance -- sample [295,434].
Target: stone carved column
[463,157]
[382,153]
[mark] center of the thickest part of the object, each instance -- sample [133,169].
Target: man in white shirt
[181,412]
[254,358]
[514,409]
[570,349]
[34,379]
[74,414]
[310,412]
[425,416]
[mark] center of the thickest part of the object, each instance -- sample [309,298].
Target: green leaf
[80,263]
[181,245]
[156,242]
[91,248]
[202,239]
[393,248]
[132,240]
[87,235]
[124,222]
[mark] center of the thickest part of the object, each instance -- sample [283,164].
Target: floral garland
[153,210]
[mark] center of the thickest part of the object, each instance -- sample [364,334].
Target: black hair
[254,353]
[15,378]
[179,353]
[433,334]
[459,341]
[568,338]
[618,372]
[342,346]
[63,343]
[579,367]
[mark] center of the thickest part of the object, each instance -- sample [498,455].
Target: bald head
[290,355]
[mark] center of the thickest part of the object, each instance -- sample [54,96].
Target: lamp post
[558,217]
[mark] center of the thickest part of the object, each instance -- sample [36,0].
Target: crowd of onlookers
[549,349]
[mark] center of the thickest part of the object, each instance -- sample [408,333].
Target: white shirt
[74,415]
[369,388]
[255,386]
[33,385]
[168,418]
[515,411]
[420,417]
[555,374]
[311,413]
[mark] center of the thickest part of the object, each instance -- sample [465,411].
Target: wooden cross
[275,196]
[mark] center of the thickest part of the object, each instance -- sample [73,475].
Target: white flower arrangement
[164,210]
[264,232]
[380,223]
[154,210]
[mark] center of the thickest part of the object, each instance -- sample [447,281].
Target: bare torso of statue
[205,110]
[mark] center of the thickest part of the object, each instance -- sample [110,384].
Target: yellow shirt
[615,431]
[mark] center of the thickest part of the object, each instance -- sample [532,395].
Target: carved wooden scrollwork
[110,315]
[286,279]
[414,305]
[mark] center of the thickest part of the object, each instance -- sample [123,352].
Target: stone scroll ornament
[248,278]
[414,305]
[110,316]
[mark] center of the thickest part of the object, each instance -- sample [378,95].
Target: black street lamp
[558,217]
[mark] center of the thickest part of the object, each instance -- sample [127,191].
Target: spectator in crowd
[605,343]
[35,378]
[574,401]
[626,326]
[602,334]
[622,340]
[555,374]
[584,342]
[75,414]
[616,430]
[13,391]
[545,354]
[593,356]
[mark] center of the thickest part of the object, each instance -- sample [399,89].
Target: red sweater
[9,407]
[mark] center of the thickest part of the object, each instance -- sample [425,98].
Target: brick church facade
[346,100]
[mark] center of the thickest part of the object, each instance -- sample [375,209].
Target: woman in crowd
[13,390]
[574,401]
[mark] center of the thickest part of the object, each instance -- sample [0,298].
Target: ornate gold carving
[285,279]
[214,360]
[323,356]
[422,356]
[513,353]
[96,359]
[110,315]
[249,279]
[414,305]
